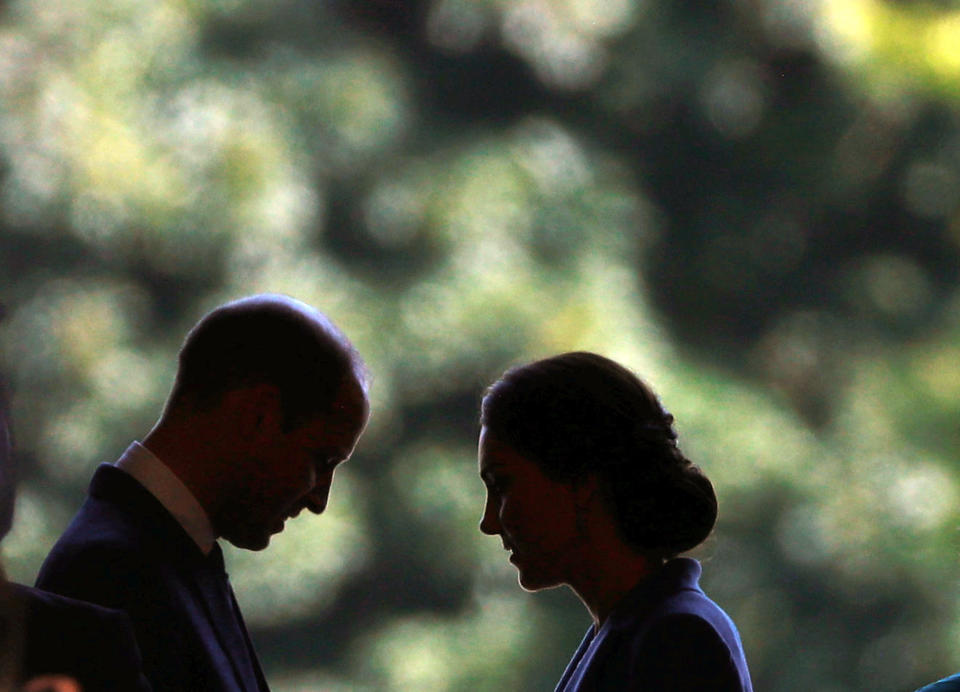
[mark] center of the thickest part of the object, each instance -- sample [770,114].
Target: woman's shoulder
[686,651]
[689,614]
[689,606]
[675,623]
[673,591]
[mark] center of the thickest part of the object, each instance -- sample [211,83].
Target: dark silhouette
[269,398]
[50,642]
[587,487]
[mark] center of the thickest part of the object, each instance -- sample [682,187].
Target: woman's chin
[531,580]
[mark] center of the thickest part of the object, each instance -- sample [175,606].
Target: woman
[587,487]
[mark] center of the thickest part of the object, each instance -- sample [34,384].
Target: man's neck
[156,475]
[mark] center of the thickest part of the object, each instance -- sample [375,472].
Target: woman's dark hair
[578,415]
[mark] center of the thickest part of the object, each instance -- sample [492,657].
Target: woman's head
[580,415]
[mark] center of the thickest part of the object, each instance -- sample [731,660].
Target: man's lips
[282,520]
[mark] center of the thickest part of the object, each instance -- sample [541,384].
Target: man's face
[292,470]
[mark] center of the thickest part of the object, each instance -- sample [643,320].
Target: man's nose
[316,499]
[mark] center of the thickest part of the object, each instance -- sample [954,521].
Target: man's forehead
[488,454]
[351,400]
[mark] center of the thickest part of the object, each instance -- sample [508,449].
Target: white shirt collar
[163,484]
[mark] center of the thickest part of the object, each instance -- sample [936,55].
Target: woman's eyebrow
[488,470]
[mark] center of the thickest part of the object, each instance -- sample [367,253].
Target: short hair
[271,339]
[578,415]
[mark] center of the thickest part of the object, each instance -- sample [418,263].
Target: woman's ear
[586,491]
[586,502]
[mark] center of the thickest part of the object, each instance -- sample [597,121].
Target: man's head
[270,339]
[269,397]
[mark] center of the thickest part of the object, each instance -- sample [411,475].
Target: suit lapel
[227,624]
[163,536]
[258,672]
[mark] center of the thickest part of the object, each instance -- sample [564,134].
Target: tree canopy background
[751,203]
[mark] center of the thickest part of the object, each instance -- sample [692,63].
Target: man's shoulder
[118,516]
[100,535]
[92,570]
[121,545]
[106,545]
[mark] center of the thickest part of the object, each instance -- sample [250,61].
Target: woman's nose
[490,522]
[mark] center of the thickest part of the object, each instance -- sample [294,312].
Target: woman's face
[535,517]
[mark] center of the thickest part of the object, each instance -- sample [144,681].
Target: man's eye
[324,464]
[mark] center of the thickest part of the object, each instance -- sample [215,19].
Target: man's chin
[254,543]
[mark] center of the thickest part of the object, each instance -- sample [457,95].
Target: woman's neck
[606,568]
[609,576]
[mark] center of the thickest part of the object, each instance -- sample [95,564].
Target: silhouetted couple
[586,486]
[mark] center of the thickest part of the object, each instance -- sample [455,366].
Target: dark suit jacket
[664,636]
[61,636]
[124,550]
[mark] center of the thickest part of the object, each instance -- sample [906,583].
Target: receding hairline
[285,331]
[285,306]
[264,304]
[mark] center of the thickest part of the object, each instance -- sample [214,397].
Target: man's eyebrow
[329,453]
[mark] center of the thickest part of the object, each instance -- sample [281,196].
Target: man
[54,643]
[269,398]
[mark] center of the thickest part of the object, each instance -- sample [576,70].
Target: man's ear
[254,411]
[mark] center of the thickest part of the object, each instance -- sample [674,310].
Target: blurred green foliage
[752,204]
